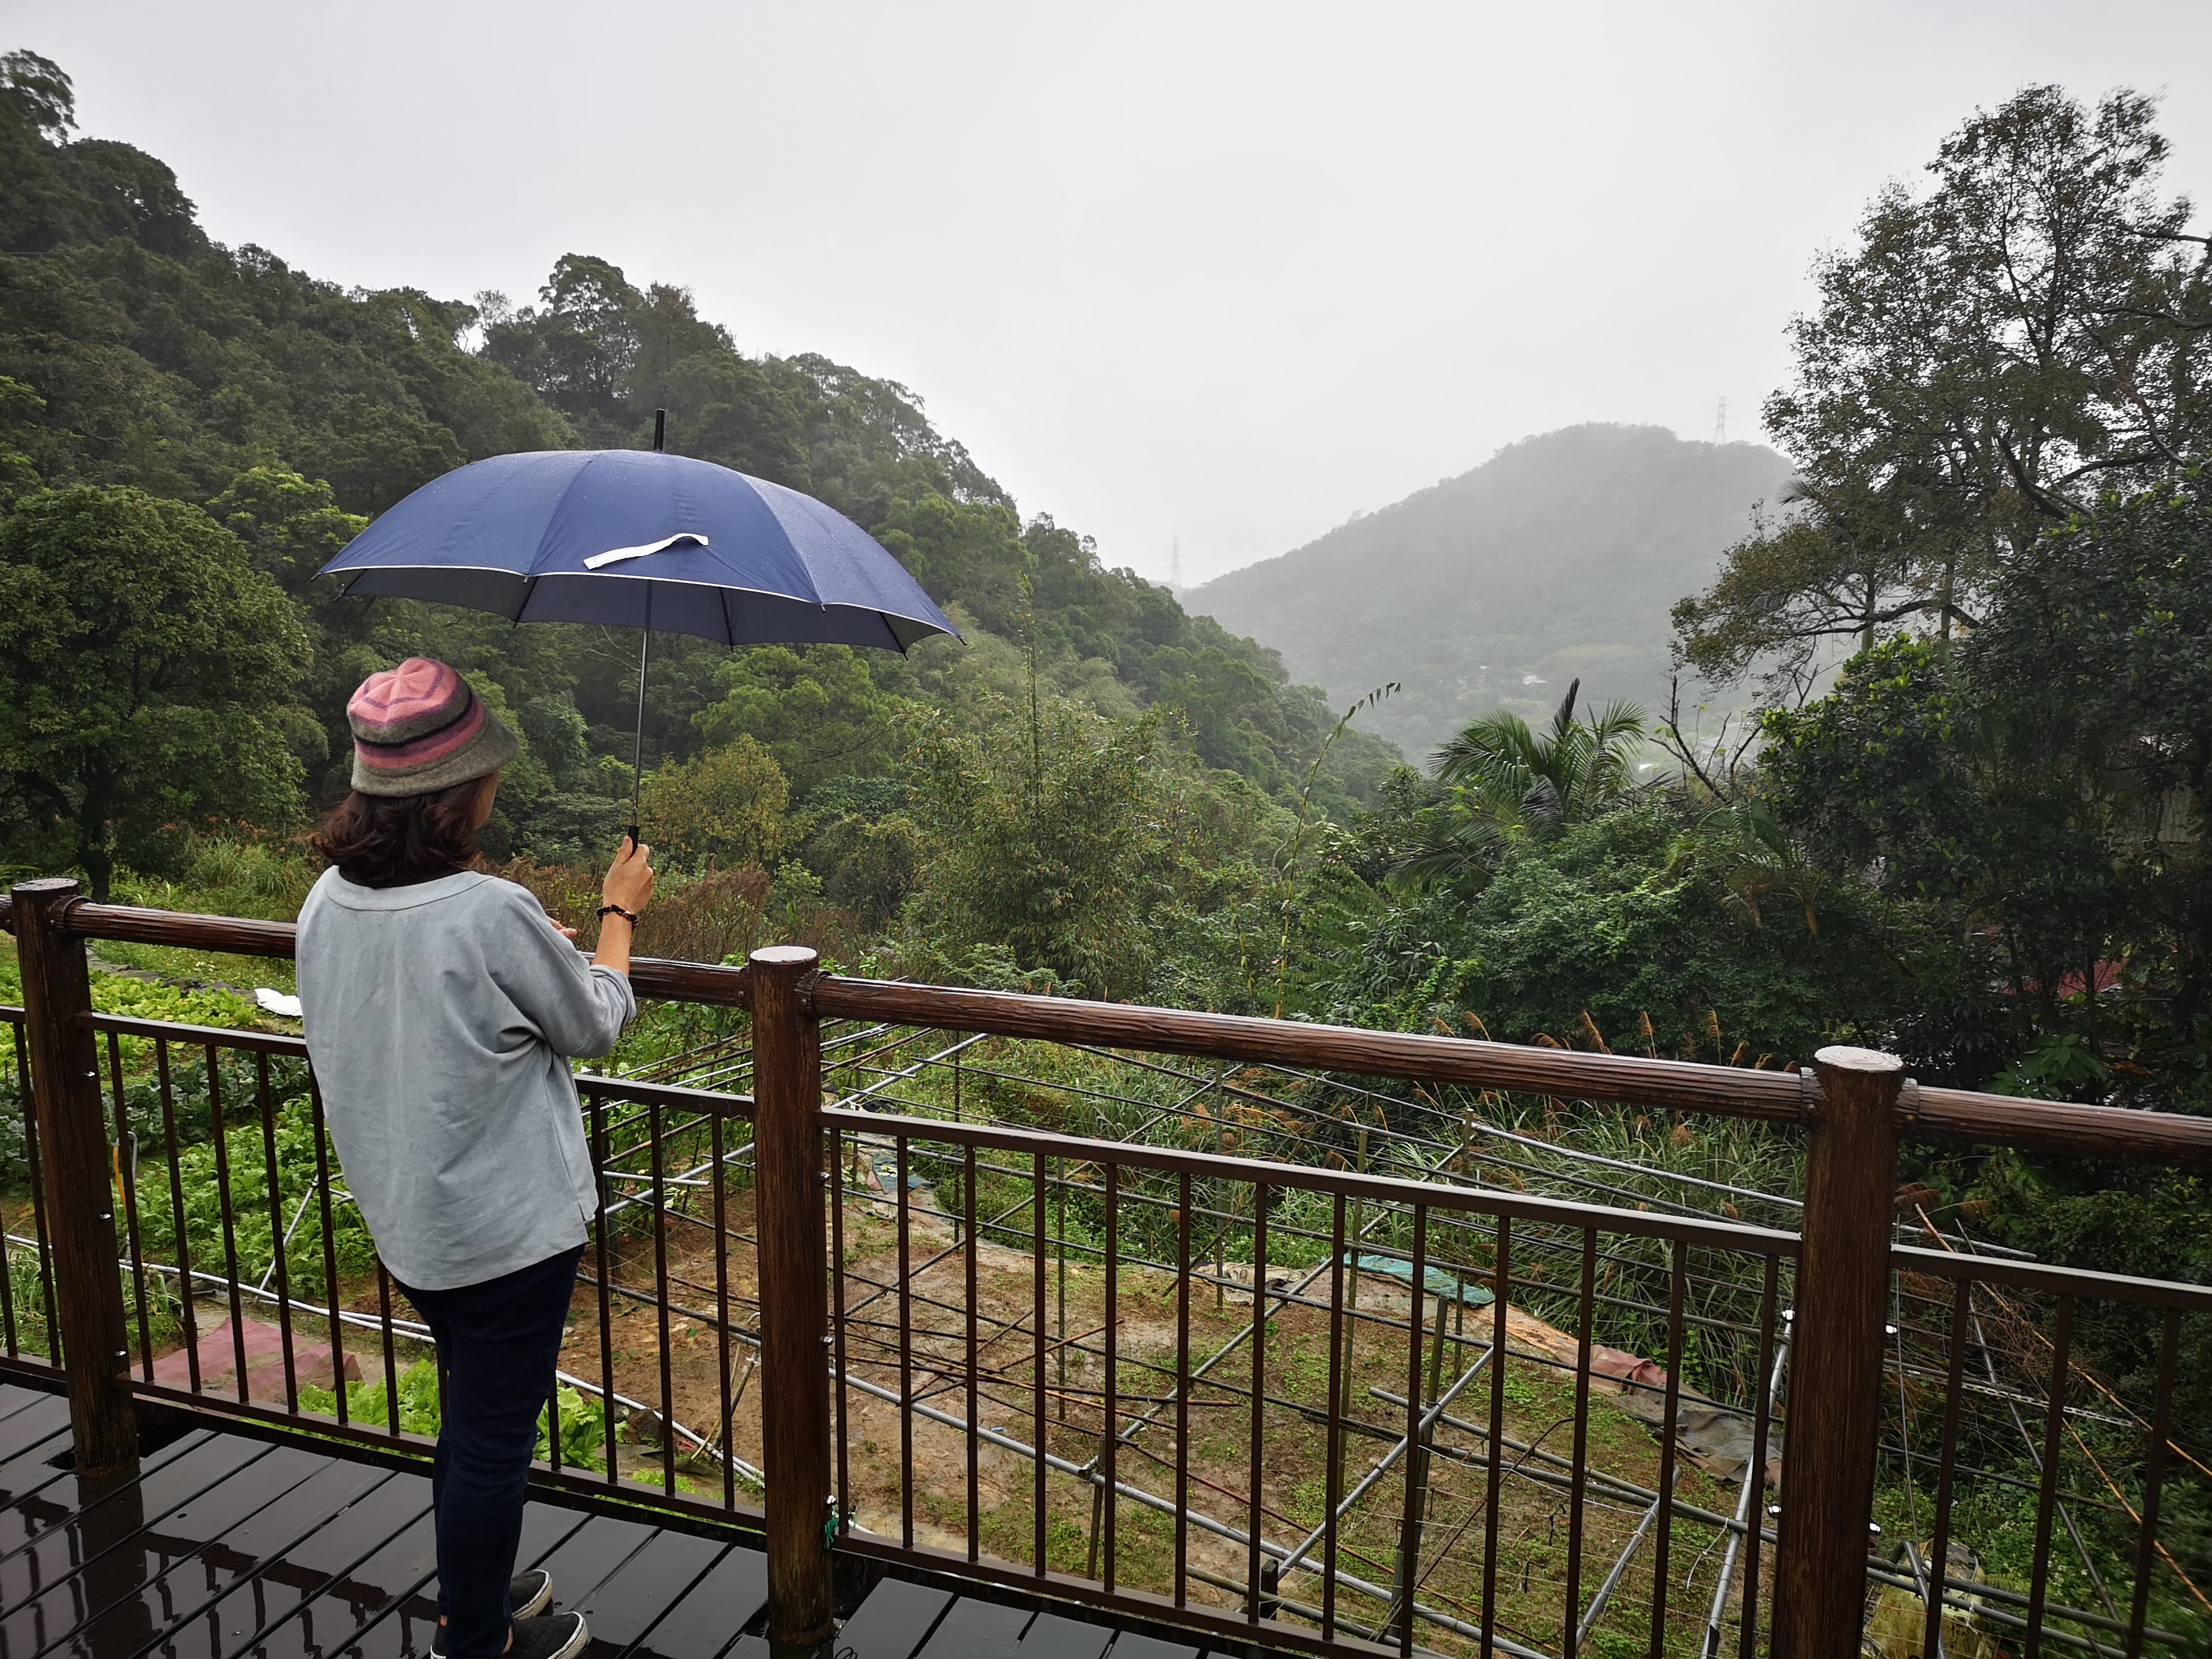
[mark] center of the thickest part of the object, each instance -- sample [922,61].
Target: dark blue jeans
[499,1341]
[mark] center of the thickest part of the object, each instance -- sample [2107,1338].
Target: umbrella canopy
[637,538]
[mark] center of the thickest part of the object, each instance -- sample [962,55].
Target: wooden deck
[223,1546]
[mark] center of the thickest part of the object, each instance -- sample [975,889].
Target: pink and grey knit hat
[419,728]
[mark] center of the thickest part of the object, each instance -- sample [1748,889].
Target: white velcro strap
[616,554]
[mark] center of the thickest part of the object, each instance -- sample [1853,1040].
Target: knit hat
[419,728]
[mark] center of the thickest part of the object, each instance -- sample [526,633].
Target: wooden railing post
[79,1178]
[1836,1360]
[788,1194]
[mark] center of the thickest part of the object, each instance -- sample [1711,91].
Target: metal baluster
[1409,1531]
[330,1246]
[1504,1265]
[1109,1437]
[975,1436]
[657,1164]
[1256,1472]
[32,1168]
[599,1109]
[1955,1390]
[2047,1499]
[906,1352]
[266,1100]
[126,1177]
[1182,1389]
[837,1196]
[1037,1362]
[1059,1339]
[229,1233]
[1763,1408]
[1579,1480]
[7,1261]
[1332,1469]
[722,1316]
[2161,1426]
[390,1358]
[1662,1545]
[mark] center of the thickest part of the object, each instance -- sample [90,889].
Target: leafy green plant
[583,1421]
[2055,1066]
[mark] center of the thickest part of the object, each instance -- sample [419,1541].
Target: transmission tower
[1720,423]
[1175,563]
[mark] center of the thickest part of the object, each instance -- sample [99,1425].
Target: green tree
[1992,355]
[724,810]
[143,660]
[1498,781]
[2100,643]
[20,408]
[1911,776]
[816,709]
[1571,771]
[968,553]
[1608,919]
[866,865]
[291,527]
[1042,836]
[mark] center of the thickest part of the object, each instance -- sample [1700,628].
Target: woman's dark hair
[396,840]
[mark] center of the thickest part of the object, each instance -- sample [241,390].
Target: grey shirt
[440,1018]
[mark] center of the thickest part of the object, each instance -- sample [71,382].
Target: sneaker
[553,1635]
[530,1593]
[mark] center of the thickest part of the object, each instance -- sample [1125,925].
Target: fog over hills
[1558,557]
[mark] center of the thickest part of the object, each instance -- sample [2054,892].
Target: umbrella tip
[660,430]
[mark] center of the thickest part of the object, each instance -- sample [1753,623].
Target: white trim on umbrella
[527,582]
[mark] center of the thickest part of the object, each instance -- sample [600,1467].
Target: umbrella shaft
[637,753]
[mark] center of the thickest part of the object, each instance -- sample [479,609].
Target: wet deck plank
[705,1622]
[627,1603]
[977,1629]
[1133,1644]
[124,1557]
[285,1587]
[81,1552]
[50,1496]
[31,1422]
[221,1547]
[1055,1636]
[178,1597]
[894,1621]
[397,1596]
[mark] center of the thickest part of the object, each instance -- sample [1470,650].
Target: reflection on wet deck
[222,1546]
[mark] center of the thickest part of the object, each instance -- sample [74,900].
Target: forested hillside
[1983,847]
[1557,559]
[1102,789]
[137,356]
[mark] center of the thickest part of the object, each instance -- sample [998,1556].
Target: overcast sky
[1225,273]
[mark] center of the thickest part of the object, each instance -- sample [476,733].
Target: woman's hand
[630,877]
[630,885]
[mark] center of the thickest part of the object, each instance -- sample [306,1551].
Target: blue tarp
[1439,1282]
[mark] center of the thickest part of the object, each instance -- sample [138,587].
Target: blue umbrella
[640,538]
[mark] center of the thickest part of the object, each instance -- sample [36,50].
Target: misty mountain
[1558,557]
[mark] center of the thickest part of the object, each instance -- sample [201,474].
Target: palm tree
[1503,781]
[1564,775]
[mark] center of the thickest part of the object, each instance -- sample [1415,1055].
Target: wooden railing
[1853,1107]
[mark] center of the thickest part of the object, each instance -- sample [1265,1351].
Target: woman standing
[442,1005]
